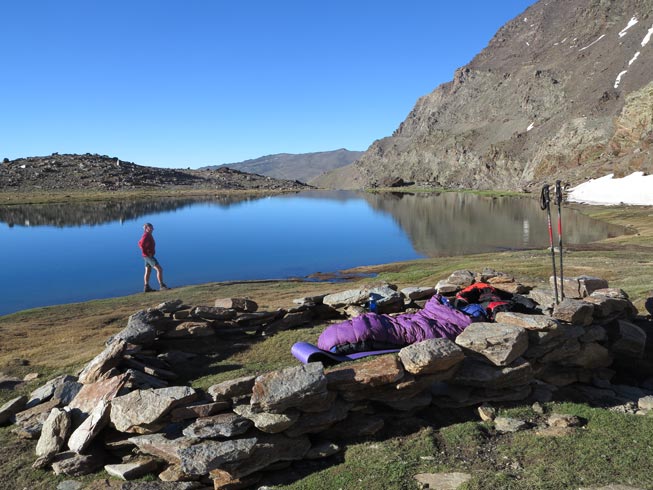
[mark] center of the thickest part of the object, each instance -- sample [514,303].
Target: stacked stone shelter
[123,412]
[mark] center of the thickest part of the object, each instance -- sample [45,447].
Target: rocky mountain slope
[90,172]
[563,91]
[303,167]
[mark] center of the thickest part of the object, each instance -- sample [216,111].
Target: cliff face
[562,91]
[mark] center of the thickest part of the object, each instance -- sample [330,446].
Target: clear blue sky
[188,83]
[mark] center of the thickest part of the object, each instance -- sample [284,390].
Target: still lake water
[63,253]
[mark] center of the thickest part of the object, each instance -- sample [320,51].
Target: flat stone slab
[442,481]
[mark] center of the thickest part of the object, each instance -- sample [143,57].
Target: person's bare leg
[146,278]
[159,276]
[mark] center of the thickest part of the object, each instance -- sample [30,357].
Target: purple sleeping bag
[372,331]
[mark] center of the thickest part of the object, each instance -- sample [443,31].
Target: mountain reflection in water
[452,223]
[62,253]
[99,212]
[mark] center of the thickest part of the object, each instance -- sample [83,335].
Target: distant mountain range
[563,91]
[303,167]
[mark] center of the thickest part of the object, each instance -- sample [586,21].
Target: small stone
[487,413]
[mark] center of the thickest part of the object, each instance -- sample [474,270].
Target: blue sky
[196,82]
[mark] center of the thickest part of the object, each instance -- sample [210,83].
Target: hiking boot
[164,287]
[147,289]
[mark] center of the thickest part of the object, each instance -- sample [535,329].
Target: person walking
[147,246]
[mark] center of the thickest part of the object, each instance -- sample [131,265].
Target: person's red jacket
[146,243]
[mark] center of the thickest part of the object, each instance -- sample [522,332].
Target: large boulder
[291,387]
[500,343]
[142,411]
[430,356]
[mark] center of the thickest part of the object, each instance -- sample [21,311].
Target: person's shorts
[150,262]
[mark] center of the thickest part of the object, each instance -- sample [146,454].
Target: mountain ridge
[303,167]
[563,90]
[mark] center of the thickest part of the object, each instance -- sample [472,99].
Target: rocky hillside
[102,173]
[564,90]
[303,167]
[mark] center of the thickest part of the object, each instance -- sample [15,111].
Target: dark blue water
[51,254]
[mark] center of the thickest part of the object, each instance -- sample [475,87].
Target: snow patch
[592,44]
[636,189]
[530,126]
[618,80]
[634,58]
[647,38]
[631,23]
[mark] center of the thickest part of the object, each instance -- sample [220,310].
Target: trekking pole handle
[558,192]
[545,198]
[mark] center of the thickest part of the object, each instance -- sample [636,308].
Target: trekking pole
[559,203]
[545,204]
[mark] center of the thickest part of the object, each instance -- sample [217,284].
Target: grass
[613,448]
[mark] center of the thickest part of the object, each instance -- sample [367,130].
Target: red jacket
[146,243]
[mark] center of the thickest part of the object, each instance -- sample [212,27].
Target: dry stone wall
[124,413]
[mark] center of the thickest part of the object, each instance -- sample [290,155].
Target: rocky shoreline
[124,413]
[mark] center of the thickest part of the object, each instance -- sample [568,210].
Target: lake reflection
[62,253]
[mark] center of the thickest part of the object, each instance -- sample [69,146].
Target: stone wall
[124,413]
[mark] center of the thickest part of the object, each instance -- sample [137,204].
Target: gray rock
[106,360]
[54,433]
[199,459]
[416,293]
[499,343]
[444,287]
[213,313]
[541,323]
[645,403]
[462,278]
[507,424]
[224,425]
[133,469]
[627,340]
[200,409]
[594,333]
[291,387]
[563,420]
[238,304]
[141,411]
[232,388]
[29,422]
[11,408]
[483,375]
[160,446]
[442,481]
[408,404]
[270,423]
[430,356]
[45,392]
[73,464]
[543,297]
[574,311]
[317,422]
[269,449]
[347,298]
[90,427]
[190,329]
[383,370]
[92,394]
[171,306]
[142,328]
[590,356]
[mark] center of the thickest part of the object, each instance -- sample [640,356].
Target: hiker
[147,246]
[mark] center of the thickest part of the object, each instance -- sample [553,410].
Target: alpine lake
[71,252]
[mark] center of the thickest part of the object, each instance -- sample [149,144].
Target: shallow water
[61,253]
